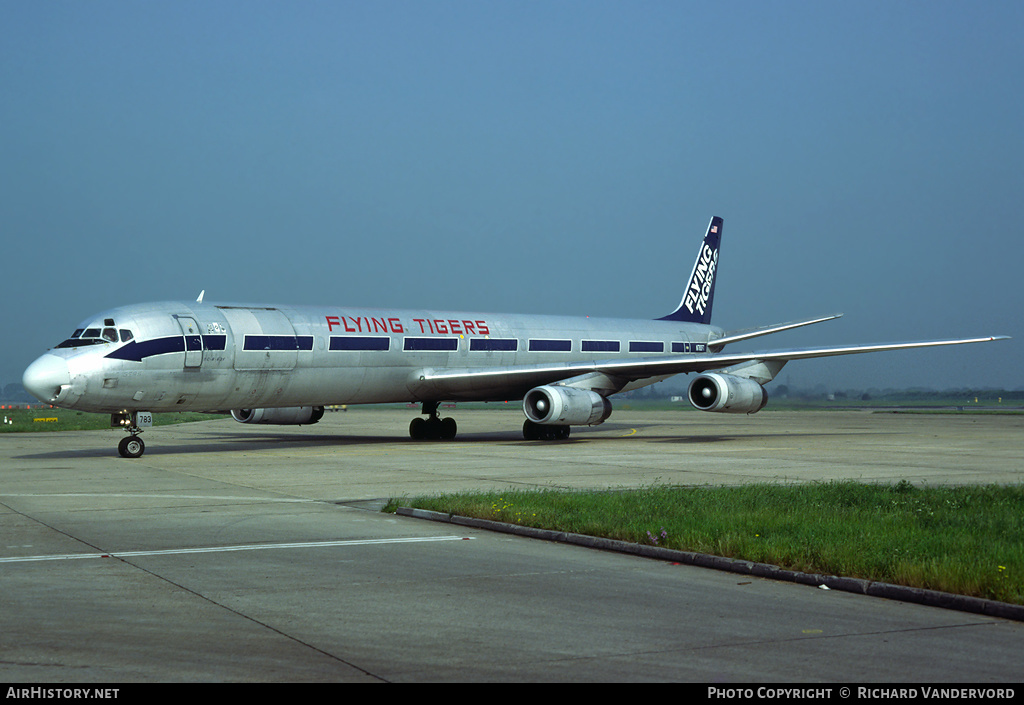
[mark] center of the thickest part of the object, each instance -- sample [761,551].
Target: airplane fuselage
[179,356]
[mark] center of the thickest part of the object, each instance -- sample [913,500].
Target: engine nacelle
[565,406]
[289,416]
[714,391]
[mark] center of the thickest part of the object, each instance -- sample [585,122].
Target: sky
[559,157]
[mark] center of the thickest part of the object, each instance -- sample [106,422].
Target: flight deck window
[126,335]
[81,338]
[110,334]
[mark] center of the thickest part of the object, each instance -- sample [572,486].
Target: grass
[962,540]
[52,419]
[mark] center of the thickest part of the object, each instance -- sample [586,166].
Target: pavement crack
[253,620]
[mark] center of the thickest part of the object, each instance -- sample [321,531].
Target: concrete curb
[932,598]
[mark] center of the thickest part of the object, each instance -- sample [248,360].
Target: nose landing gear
[132,422]
[131,447]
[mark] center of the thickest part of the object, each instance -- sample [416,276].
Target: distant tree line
[14,392]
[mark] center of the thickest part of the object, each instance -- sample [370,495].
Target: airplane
[275,364]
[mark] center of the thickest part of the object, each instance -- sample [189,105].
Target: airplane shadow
[227,442]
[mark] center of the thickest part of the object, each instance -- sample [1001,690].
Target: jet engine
[283,417]
[565,406]
[715,391]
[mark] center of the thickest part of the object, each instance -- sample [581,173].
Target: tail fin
[700,288]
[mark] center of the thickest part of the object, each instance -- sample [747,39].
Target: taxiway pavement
[252,553]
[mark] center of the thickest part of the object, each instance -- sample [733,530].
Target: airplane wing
[748,333]
[513,382]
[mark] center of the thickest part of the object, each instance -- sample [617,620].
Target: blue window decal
[600,346]
[360,342]
[495,344]
[544,345]
[647,346]
[214,342]
[435,344]
[278,342]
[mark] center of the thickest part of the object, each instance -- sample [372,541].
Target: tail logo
[699,290]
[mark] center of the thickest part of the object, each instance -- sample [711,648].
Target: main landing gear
[132,422]
[543,432]
[432,428]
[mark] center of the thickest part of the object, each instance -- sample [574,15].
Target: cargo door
[264,339]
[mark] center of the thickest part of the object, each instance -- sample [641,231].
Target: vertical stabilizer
[700,287]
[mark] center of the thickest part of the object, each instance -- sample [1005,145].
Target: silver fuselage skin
[190,356]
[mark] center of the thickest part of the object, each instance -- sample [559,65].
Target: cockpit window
[97,336]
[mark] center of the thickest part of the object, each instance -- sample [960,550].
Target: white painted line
[226,549]
[161,496]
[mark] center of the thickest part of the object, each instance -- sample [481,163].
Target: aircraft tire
[131,447]
[433,429]
[418,428]
[530,431]
[448,429]
[542,432]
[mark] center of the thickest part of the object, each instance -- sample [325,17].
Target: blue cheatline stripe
[544,345]
[278,342]
[214,342]
[646,346]
[442,344]
[138,350]
[600,346]
[689,347]
[495,344]
[360,342]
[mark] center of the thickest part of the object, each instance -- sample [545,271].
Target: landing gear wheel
[433,429]
[448,429]
[418,429]
[542,432]
[131,447]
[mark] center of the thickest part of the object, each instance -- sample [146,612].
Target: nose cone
[45,378]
